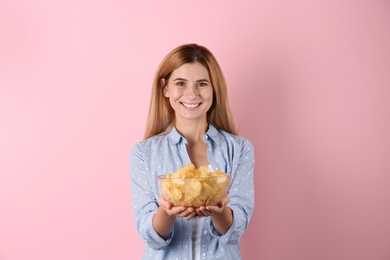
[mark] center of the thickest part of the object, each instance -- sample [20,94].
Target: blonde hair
[161,116]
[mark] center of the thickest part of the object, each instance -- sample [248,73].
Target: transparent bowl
[194,192]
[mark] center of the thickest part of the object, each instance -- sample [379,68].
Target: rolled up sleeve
[144,201]
[241,194]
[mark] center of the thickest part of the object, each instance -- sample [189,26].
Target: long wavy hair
[161,116]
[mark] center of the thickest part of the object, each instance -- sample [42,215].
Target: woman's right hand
[179,211]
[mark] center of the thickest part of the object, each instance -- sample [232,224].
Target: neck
[192,131]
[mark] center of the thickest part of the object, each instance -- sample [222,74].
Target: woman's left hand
[212,210]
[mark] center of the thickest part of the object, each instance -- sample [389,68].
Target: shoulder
[234,140]
[151,143]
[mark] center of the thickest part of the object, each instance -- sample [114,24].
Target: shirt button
[205,232]
[204,254]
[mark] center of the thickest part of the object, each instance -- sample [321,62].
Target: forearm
[222,221]
[163,223]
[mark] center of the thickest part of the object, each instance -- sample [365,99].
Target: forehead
[191,71]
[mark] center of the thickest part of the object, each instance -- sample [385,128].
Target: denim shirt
[161,154]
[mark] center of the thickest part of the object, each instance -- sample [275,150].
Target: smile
[187,105]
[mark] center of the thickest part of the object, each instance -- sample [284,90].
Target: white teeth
[191,105]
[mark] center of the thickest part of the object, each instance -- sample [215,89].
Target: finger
[214,209]
[200,210]
[164,203]
[200,213]
[176,211]
[206,212]
[226,199]
[186,212]
[190,216]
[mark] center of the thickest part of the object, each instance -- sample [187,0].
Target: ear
[165,87]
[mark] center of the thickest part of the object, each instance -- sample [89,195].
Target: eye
[180,83]
[202,84]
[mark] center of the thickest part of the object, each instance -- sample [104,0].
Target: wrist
[226,213]
[162,213]
[223,221]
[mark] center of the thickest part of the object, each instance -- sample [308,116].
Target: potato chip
[194,187]
[177,194]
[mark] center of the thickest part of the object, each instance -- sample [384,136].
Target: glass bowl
[194,192]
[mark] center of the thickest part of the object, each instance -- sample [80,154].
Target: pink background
[309,84]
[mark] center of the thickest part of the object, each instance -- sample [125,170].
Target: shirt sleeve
[241,194]
[144,201]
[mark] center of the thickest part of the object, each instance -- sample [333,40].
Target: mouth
[190,105]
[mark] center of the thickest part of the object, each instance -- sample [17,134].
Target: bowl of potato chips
[194,187]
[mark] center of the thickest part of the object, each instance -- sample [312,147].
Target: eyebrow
[199,80]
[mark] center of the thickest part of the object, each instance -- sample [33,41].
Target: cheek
[209,95]
[173,101]
[174,94]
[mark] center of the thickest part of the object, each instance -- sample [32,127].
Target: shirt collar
[211,133]
[175,137]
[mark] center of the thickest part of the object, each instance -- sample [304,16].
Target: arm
[144,200]
[154,218]
[241,194]
[221,215]
[166,215]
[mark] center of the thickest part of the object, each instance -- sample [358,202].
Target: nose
[191,90]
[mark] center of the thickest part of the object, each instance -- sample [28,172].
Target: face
[190,92]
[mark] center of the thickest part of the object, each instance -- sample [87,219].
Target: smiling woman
[190,123]
[161,117]
[190,94]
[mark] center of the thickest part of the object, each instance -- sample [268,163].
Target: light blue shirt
[161,154]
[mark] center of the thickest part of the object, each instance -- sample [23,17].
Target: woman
[190,122]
